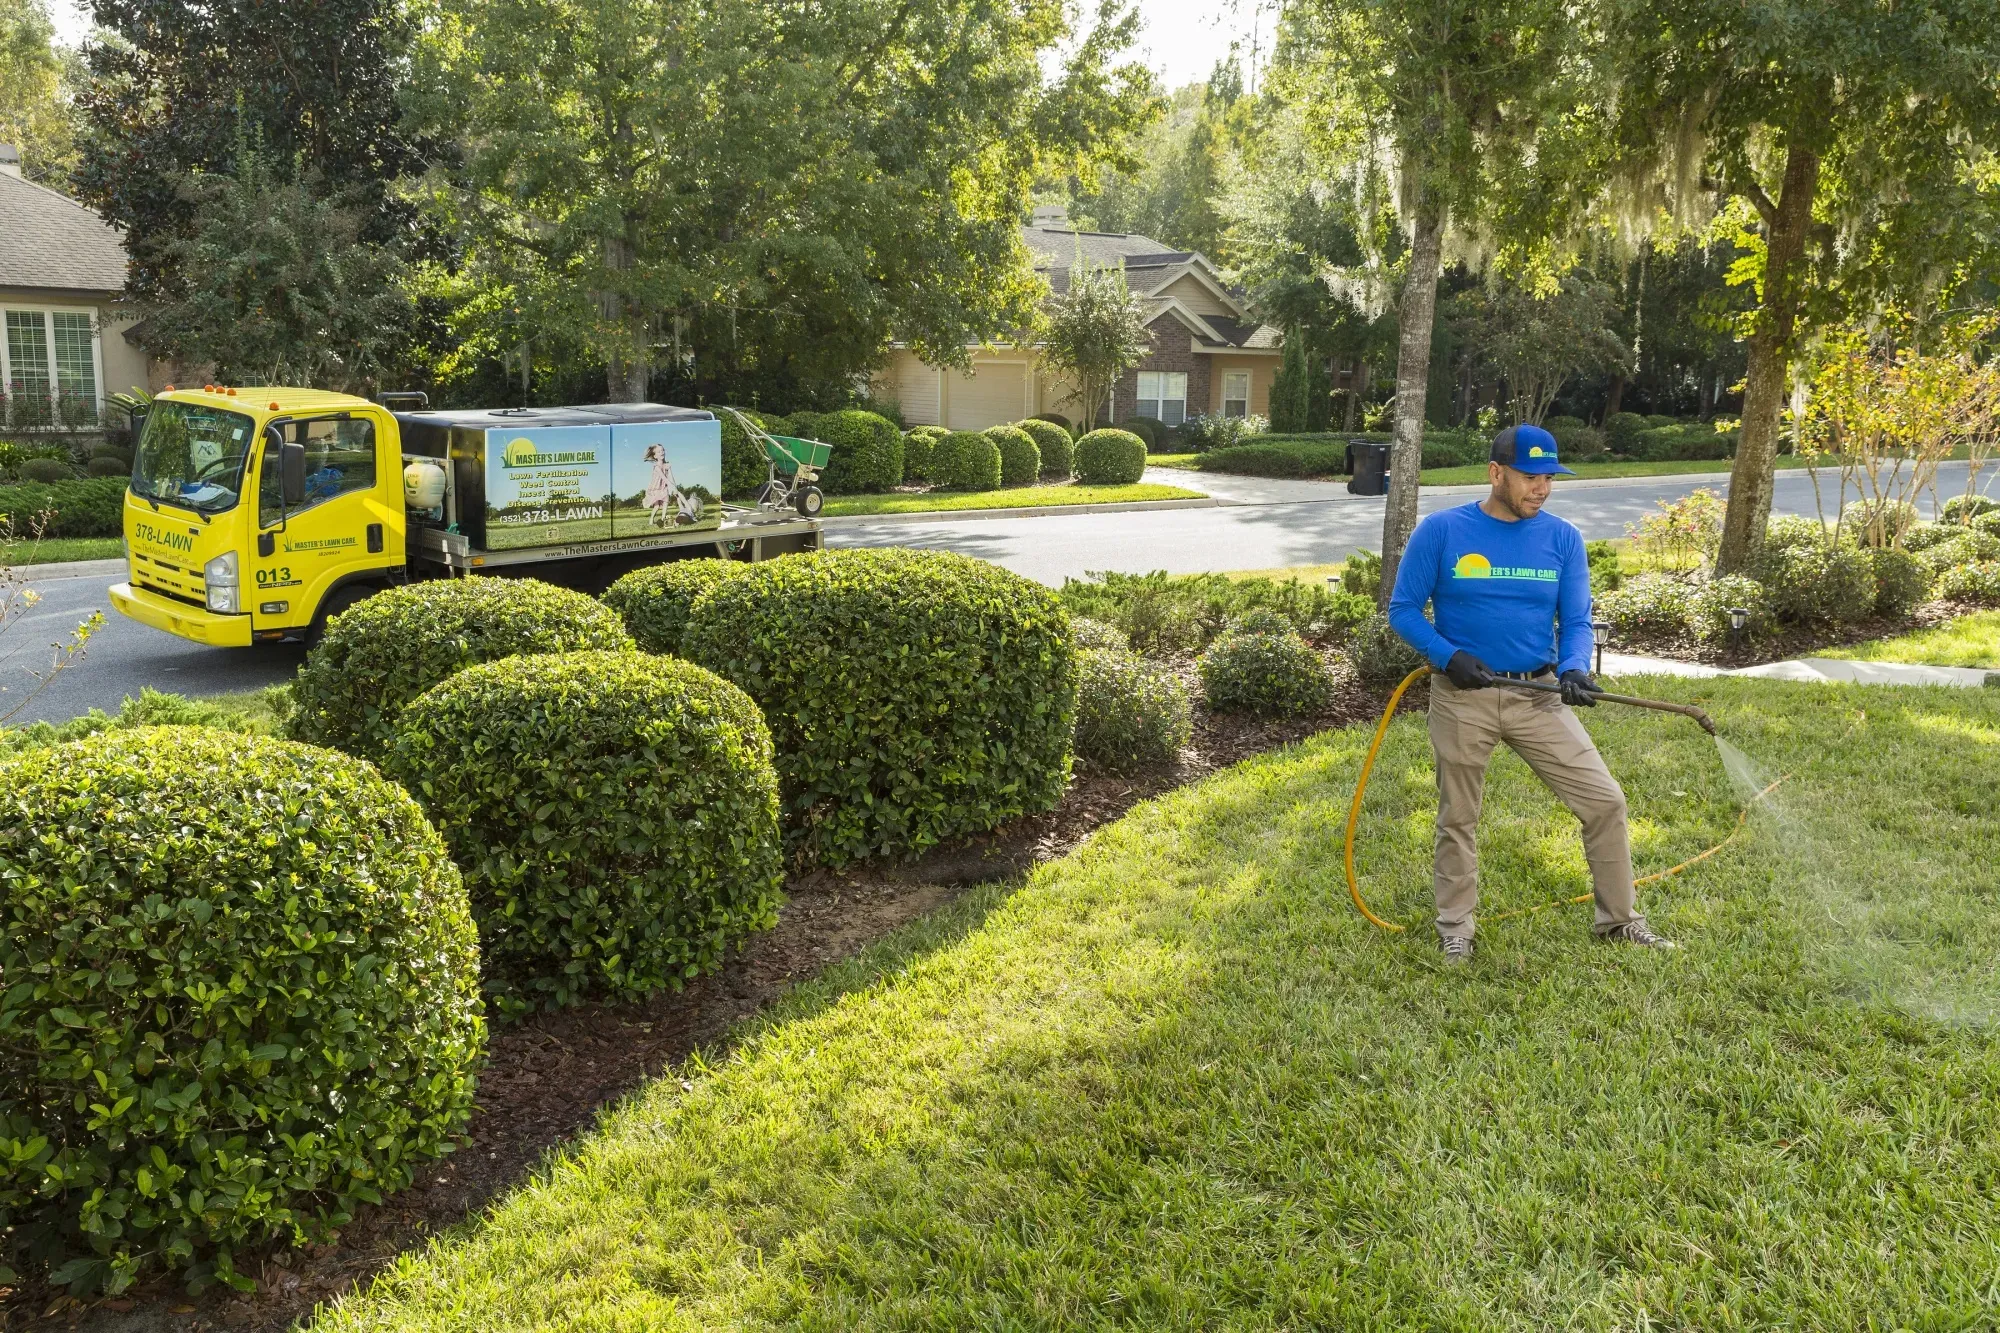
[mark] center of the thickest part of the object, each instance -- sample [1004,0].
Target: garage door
[993,396]
[914,386]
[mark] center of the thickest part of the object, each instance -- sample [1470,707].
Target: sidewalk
[1817,670]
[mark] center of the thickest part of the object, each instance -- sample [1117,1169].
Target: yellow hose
[1361,786]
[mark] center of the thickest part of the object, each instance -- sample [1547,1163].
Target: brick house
[1210,356]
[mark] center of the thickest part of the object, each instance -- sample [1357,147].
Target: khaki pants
[1465,726]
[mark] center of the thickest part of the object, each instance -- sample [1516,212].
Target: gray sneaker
[1636,931]
[1457,949]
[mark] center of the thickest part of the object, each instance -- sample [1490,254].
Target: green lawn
[1176,1082]
[1014,497]
[1969,641]
[54,550]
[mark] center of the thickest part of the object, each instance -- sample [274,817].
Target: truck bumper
[149,608]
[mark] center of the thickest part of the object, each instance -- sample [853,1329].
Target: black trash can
[1367,468]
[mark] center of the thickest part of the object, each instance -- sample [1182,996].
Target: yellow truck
[256,514]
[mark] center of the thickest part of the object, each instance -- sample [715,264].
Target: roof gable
[50,240]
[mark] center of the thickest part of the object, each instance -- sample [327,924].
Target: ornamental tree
[1092,333]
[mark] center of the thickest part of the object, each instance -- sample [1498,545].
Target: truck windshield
[192,456]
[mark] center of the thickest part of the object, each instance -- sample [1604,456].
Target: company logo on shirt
[1473,565]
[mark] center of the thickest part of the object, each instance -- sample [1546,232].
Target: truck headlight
[219,577]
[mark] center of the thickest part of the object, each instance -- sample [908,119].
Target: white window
[49,367]
[1236,393]
[1163,396]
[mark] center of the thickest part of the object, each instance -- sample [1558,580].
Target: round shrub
[1088,633]
[867,452]
[1817,583]
[616,817]
[914,696]
[1709,607]
[1257,672]
[965,460]
[43,470]
[103,466]
[1963,547]
[379,655]
[1380,655]
[1020,456]
[1621,430]
[242,998]
[1263,620]
[1149,430]
[1977,582]
[106,449]
[1129,713]
[1896,517]
[917,446]
[1785,531]
[654,602]
[1580,443]
[1965,508]
[1649,606]
[1054,418]
[1110,458]
[1058,449]
[1988,523]
[1926,535]
[1902,581]
[744,469]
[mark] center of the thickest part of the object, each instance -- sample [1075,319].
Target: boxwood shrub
[1020,456]
[1902,581]
[1151,431]
[965,460]
[1380,655]
[1976,582]
[1110,458]
[867,452]
[914,696]
[1620,429]
[1264,669]
[1962,546]
[1818,583]
[918,446]
[242,996]
[91,507]
[378,656]
[1988,523]
[654,602]
[1088,633]
[1283,459]
[1709,607]
[1648,606]
[1130,714]
[1058,449]
[615,815]
[1964,508]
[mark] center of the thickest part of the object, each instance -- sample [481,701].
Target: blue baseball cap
[1528,449]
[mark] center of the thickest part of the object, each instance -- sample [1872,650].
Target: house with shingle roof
[62,268]
[1210,355]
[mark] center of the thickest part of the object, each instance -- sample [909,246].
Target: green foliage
[1788,530]
[90,508]
[1580,443]
[1058,448]
[1817,583]
[1092,332]
[1085,632]
[1149,429]
[1380,655]
[1165,613]
[615,814]
[1361,575]
[44,471]
[381,654]
[918,447]
[1301,392]
[744,467]
[1926,535]
[1621,431]
[1130,714]
[1277,459]
[206,936]
[1020,456]
[1902,581]
[1606,574]
[1883,523]
[1456,448]
[1977,582]
[1708,609]
[1649,606]
[36,114]
[867,452]
[1965,508]
[1110,458]
[1263,669]
[965,460]
[655,602]
[1987,523]
[1210,430]
[1538,340]
[1962,547]
[103,466]
[1682,442]
[914,696]
[255,716]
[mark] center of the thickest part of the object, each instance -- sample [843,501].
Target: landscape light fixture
[1739,616]
[1600,634]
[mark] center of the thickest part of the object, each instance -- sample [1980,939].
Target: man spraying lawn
[1509,590]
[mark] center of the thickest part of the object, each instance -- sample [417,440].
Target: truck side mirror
[292,473]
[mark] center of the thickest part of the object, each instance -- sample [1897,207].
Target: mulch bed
[547,1077]
[1794,641]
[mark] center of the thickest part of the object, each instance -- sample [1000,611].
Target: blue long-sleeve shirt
[1500,591]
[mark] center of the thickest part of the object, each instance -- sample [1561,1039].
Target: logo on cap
[1536,452]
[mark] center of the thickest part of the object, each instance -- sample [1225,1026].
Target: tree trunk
[1752,477]
[1413,369]
[1353,392]
[1613,398]
[626,368]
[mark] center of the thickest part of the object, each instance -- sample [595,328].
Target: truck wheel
[339,601]
[809,502]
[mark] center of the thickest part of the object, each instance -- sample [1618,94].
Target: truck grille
[169,580]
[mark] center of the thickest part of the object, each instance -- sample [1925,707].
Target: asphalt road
[1261,525]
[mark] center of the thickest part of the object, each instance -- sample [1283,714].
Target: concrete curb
[1027,511]
[70,569]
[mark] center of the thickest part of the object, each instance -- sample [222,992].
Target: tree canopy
[35,111]
[1091,334]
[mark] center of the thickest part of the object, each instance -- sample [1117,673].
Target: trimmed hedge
[1020,456]
[1902,581]
[1621,429]
[382,653]
[965,460]
[1150,430]
[1977,582]
[917,451]
[654,602]
[1110,458]
[1691,442]
[744,468]
[1964,547]
[1649,605]
[1818,583]
[867,451]
[93,507]
[1130,714]
[1276,460]
[206,937]
[914,696]
[615,814]
[1263,668]
[1058,449]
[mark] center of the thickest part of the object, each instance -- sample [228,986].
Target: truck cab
[217,552]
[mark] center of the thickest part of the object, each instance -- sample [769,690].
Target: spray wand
[1658,705]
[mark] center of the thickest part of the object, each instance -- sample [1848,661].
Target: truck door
[346,527]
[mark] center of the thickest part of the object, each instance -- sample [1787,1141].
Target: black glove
[1579,690]
[1468,672]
